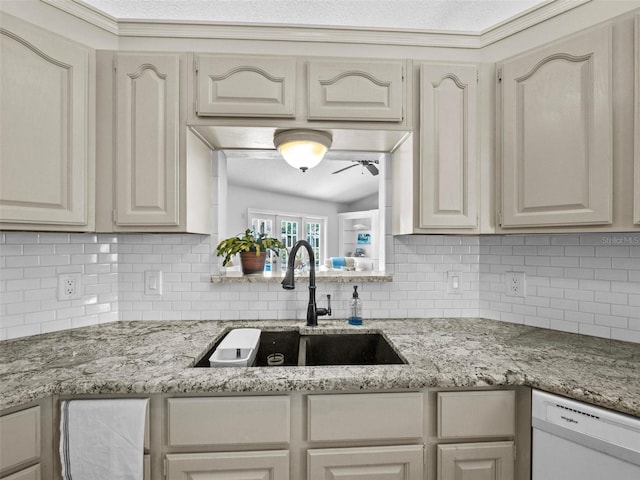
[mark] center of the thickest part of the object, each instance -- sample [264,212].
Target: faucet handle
[320,312]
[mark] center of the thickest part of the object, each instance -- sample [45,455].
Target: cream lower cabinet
[354,419]
[556,129]
[47,156]
[263,465]
[405,462]
[476,417]
[31,473]
[21,441]
[476,461]
[224,426]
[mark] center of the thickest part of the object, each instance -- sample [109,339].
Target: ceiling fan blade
[345,168]
[373,170]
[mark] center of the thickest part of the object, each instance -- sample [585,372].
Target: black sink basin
[290,348]
[348,349]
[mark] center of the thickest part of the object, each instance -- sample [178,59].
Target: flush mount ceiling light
[301,148]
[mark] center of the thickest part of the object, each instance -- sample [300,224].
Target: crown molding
[87,13]
[315,34]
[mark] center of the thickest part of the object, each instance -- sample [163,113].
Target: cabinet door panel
[147,165]
[31,473]
[355,91]
[246,86]
[264,465]
[384,463]
[44,149]
[476,461]
[448,175]
[19,437]
[374,416]
[494,414]
[557,150]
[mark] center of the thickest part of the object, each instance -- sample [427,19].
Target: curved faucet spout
[288,283]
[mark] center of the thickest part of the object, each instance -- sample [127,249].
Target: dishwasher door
[575,441]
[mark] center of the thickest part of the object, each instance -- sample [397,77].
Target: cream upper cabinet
[245,86]
[47,156]
[556,118]
[147,139]
[356,91]
[636,200]
[155,174]
[448,146]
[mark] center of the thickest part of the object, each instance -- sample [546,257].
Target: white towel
[102,439]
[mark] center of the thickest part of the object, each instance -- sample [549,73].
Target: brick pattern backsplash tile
[584,283]
[30,264]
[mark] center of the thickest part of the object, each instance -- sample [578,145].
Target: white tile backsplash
[31,263]
[580,283]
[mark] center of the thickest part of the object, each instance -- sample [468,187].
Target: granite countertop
[321,277]
[156,356]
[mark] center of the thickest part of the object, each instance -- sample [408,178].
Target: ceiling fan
[368,164]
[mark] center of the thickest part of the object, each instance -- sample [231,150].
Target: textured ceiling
[250,169]
[472,16]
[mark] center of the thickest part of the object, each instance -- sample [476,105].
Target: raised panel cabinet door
[243,86]
[557,134]
[44,135]
[147,132]
[636,168]
[448,157]
[404,462]
[31,473]
[262,465]
[476,461]
[357,91]
[20,438]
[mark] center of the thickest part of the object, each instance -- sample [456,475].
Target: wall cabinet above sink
[298,90]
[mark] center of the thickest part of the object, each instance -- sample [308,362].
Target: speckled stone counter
[154,357]
[321,277]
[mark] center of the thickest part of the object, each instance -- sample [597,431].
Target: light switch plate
[153,282]
[454,282]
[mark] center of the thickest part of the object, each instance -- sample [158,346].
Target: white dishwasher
[573,440]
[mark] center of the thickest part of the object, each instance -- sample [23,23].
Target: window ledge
[321,277]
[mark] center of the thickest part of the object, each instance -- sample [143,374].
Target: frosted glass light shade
[303,149]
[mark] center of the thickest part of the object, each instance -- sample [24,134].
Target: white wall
[241,198]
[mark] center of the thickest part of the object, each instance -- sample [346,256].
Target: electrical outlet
[69,286]
[515,284]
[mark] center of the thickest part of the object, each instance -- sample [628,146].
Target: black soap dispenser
[355,308]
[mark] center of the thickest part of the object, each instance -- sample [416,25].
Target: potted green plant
[252,248]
